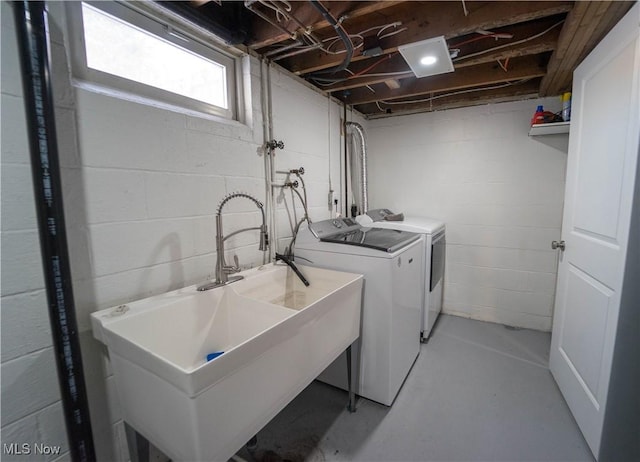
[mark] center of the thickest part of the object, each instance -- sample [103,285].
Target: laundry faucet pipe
[293,266]
[357,128]
[299,172]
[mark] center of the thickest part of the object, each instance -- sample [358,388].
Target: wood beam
[536,46]
[481,75]
[579,25]
[518,92]
[431,19]
[265,34]
[585,26]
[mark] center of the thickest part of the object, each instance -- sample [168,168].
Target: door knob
[557,245]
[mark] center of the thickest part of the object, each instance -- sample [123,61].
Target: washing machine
[391,262]
[433,232]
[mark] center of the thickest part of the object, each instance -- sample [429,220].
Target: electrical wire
[533,37]
[334,40]
[475,39]
[368,87]
[387,74]
[459,92]
[366,69]
[326,82]
[381,27]
[307,34]
[360,35]
[275,24]
[464,8]
[393,33]
[359,73]
[505,65]
[279,13]
[318,44]
[386,26]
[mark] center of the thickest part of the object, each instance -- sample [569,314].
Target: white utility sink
[276,336]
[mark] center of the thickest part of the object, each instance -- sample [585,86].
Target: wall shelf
[549,129]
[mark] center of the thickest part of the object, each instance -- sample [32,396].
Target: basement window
[132,53]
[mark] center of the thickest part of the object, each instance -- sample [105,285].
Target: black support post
[345,204]
[33,45]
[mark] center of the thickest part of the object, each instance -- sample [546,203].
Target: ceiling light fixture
[428,60]
[427,57]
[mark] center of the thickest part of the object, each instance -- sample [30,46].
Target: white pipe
[268,161]
[363,145]
[274,240]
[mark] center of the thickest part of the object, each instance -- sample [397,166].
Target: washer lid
[386,240]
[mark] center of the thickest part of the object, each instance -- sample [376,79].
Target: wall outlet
[332,200]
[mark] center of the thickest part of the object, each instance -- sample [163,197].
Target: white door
[603,151]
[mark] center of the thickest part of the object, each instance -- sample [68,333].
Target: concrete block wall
[141,187]
[500,193]
[314,146]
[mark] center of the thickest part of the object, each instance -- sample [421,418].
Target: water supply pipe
[267,117]
[33,45]
[357,128]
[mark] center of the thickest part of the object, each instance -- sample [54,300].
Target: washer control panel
[332,226]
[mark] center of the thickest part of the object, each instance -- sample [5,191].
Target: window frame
[164,30]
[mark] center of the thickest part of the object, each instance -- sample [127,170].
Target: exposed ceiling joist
[526,67]
[396,63]
[474,97]
[266,34]
[585,26]
[439,18]
[502,50]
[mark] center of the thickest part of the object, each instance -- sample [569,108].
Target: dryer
[433,262]
[391,262]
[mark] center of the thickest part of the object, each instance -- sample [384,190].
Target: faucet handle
[232,269]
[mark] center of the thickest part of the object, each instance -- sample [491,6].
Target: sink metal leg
[351,406]
[138,445]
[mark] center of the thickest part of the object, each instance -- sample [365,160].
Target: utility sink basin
[272,334]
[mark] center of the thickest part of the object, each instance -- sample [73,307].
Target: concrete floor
[477,392]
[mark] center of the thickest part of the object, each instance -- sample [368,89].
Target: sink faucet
[222,269]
